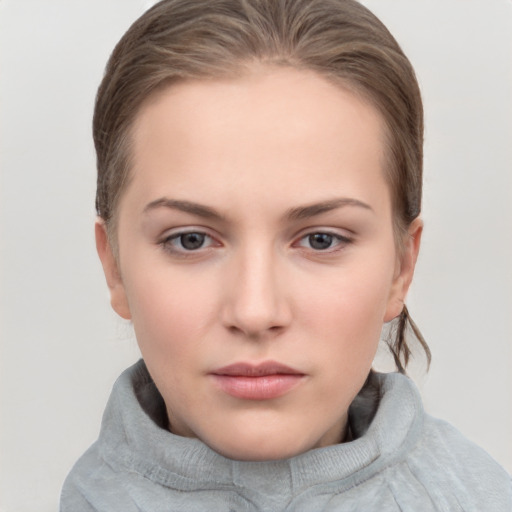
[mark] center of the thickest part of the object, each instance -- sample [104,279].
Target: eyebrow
[298,213]
[185,206]
[305,212]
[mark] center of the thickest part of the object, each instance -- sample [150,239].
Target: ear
[405,270]
[118,299]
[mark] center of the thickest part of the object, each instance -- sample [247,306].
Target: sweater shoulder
[94,486]
[448,463]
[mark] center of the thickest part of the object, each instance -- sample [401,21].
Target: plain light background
[61,346]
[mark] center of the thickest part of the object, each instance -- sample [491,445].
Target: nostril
[256,334]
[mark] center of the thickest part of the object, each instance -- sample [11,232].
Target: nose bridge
[256,301]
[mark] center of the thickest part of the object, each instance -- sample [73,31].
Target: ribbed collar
[133,438]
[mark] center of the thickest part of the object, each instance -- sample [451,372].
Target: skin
[258,151]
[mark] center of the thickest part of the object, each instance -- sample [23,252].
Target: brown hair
[195,39]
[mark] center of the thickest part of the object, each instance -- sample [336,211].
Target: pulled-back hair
[341,40]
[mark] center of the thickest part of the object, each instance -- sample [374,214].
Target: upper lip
[256,370]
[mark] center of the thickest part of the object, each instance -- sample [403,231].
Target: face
[257,260]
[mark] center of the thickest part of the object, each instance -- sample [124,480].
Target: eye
[323,241]
[187,242]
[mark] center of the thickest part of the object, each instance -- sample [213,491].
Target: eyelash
[169,242]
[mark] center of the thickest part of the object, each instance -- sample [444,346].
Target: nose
[256,303]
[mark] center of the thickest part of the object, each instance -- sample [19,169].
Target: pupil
[320,241]
[192,241]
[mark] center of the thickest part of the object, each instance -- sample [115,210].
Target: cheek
[348,308]
[170,312]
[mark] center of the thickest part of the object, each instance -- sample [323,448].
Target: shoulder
[93,485]
[428,459]
[119,471]
[422,463]
[450,464]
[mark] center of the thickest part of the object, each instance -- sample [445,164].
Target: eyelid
[183,230]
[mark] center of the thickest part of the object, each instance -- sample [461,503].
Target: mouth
[263,381]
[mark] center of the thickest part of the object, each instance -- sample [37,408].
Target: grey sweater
[400,460]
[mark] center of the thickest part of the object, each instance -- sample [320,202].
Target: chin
[259,449]
[254,454]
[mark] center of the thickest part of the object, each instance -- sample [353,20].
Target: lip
[264,381]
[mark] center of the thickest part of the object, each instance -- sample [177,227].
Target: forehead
[272,129]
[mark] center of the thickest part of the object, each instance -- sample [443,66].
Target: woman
[259,198]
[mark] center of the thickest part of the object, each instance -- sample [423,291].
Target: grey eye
[191,241]
[320,241]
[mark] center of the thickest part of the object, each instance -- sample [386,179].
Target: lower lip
[264,387]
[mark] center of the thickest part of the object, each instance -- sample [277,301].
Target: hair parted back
[341,40]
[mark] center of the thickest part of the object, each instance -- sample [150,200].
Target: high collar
[385,420]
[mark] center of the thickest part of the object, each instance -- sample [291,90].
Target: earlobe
[405,271]
[118,299]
